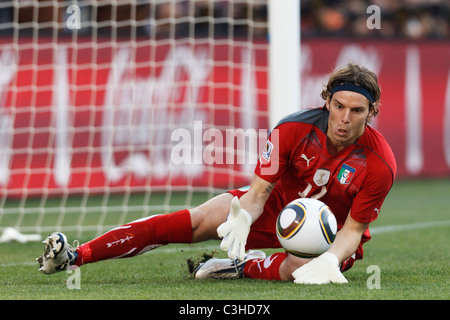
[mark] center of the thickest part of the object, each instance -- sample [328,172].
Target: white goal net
[115,110]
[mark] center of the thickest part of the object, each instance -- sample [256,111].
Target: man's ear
[327,103]
[374,109]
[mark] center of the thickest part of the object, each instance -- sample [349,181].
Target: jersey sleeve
[368,201]
[276,153]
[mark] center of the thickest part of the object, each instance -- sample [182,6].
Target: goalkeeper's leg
[131,239]
[185,226]
[137,237]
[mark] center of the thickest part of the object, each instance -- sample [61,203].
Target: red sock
[138,237]
[265,269]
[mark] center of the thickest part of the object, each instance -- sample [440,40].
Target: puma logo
[303,156]
[268,261]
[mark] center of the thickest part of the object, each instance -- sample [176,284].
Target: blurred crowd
[411,19]
[399,19]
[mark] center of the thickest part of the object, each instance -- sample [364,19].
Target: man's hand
[321,270]
[235,231]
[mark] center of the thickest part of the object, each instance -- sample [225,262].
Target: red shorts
[263,233]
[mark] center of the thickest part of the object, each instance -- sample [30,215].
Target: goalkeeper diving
[330,153]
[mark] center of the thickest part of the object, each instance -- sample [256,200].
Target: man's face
[348,114]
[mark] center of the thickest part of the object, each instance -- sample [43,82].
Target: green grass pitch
[409,247]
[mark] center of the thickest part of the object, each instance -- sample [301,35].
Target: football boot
[58,254]
[216,268]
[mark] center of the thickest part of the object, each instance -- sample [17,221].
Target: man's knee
[289,265]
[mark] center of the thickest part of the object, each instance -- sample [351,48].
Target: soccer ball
[306,227]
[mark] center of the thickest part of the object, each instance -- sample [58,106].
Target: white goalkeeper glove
[321,270]
[235,231]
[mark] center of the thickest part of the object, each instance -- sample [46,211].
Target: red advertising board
[86,116]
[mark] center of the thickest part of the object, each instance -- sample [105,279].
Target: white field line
[373,230]
[409,226]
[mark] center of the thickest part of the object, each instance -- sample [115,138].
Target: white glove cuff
[247,216]
[331,258]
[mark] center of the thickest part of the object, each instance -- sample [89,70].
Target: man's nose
[346,116]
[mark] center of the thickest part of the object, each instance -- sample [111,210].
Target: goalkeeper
[329,153]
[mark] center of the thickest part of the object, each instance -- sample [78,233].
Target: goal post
[284,59]
[111,111]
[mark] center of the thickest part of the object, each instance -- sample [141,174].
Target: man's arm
[236,228]
[348,239]
[325,268]
[254,200]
